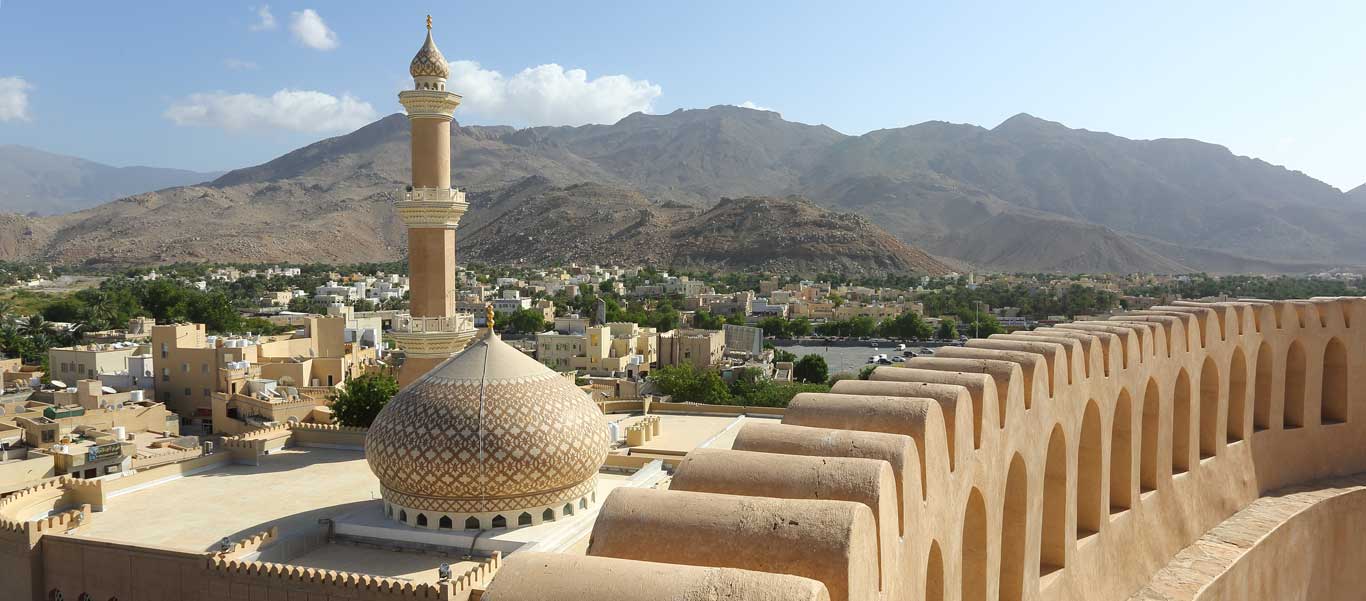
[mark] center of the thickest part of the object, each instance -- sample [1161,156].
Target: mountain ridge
[38,181]
[1029,194]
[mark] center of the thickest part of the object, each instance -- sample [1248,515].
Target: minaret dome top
[429,63]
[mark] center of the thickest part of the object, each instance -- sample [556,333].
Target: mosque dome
[429,62]
[489,433]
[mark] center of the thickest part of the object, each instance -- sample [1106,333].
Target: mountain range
[730,187]
[33,181]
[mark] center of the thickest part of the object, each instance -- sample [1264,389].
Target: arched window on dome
[524,519]
[568,509]
[403,516]
[445,522]
[422,519]
[500,522]
[583,503]
[472,523]
[548,515]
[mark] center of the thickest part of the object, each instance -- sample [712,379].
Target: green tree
[948,330]
[775,326]
[866,372]
[707,320]
[862,326]
[799,327]
[980,325]
[811,369]
[906,325]
[780,355]
[688,384]
[525,321]
[360,400]
[735,319]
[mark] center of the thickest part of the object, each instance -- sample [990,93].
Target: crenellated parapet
[1069,462]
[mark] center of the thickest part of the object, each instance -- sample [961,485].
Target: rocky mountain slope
[1029,195]
[33,181]
[537,222]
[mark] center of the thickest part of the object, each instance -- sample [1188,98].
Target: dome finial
[488,316]
[429,22]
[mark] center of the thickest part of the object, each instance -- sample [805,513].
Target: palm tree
[35,326]
[6,307]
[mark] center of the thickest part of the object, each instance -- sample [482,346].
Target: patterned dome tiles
[543,439]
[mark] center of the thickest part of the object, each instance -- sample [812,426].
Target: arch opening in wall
[1181,424]
[1121,455]
[934,574]
[1053,554]
[1334,382]
[1014,530]
[568,509]
[524,519]
[1295,366]
[500,522]
[1090,461]
[1261,389]
[403,516]
[445,523]
[422,519]
[1150,434]
[974,544]
[471,523]
[1237,396]
[548,515]
[1211,432]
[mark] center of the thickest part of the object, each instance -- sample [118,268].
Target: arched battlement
[1096,455]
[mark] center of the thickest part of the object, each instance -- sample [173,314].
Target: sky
[220,85]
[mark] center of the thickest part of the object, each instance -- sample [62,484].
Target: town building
[702,349]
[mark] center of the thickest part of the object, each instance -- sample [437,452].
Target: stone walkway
[1214,552]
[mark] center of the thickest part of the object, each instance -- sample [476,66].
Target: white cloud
[14,99]
[265,21]
[235,64]
[295,110]
[549,95]
[749,104]
[310,30]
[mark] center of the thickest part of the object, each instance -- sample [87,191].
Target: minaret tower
[431,209]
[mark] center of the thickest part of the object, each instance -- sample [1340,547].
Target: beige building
[192,366]
[699,348]
[79,362]
[606,349]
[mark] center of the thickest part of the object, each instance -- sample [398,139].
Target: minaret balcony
[432,336]
[432,207]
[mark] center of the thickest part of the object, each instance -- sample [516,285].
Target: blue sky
[215,86]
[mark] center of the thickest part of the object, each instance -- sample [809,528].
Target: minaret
[431,209]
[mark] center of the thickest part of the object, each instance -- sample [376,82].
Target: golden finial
[429,22]
[488,316]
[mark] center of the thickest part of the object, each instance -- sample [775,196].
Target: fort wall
[1069,463]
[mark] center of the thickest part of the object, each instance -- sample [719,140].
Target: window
[80,368]
[203,368]
[184,368]
[164,349]
[207,392]
[188,392]
[165,374]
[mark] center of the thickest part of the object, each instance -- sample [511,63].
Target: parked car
[898,359]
